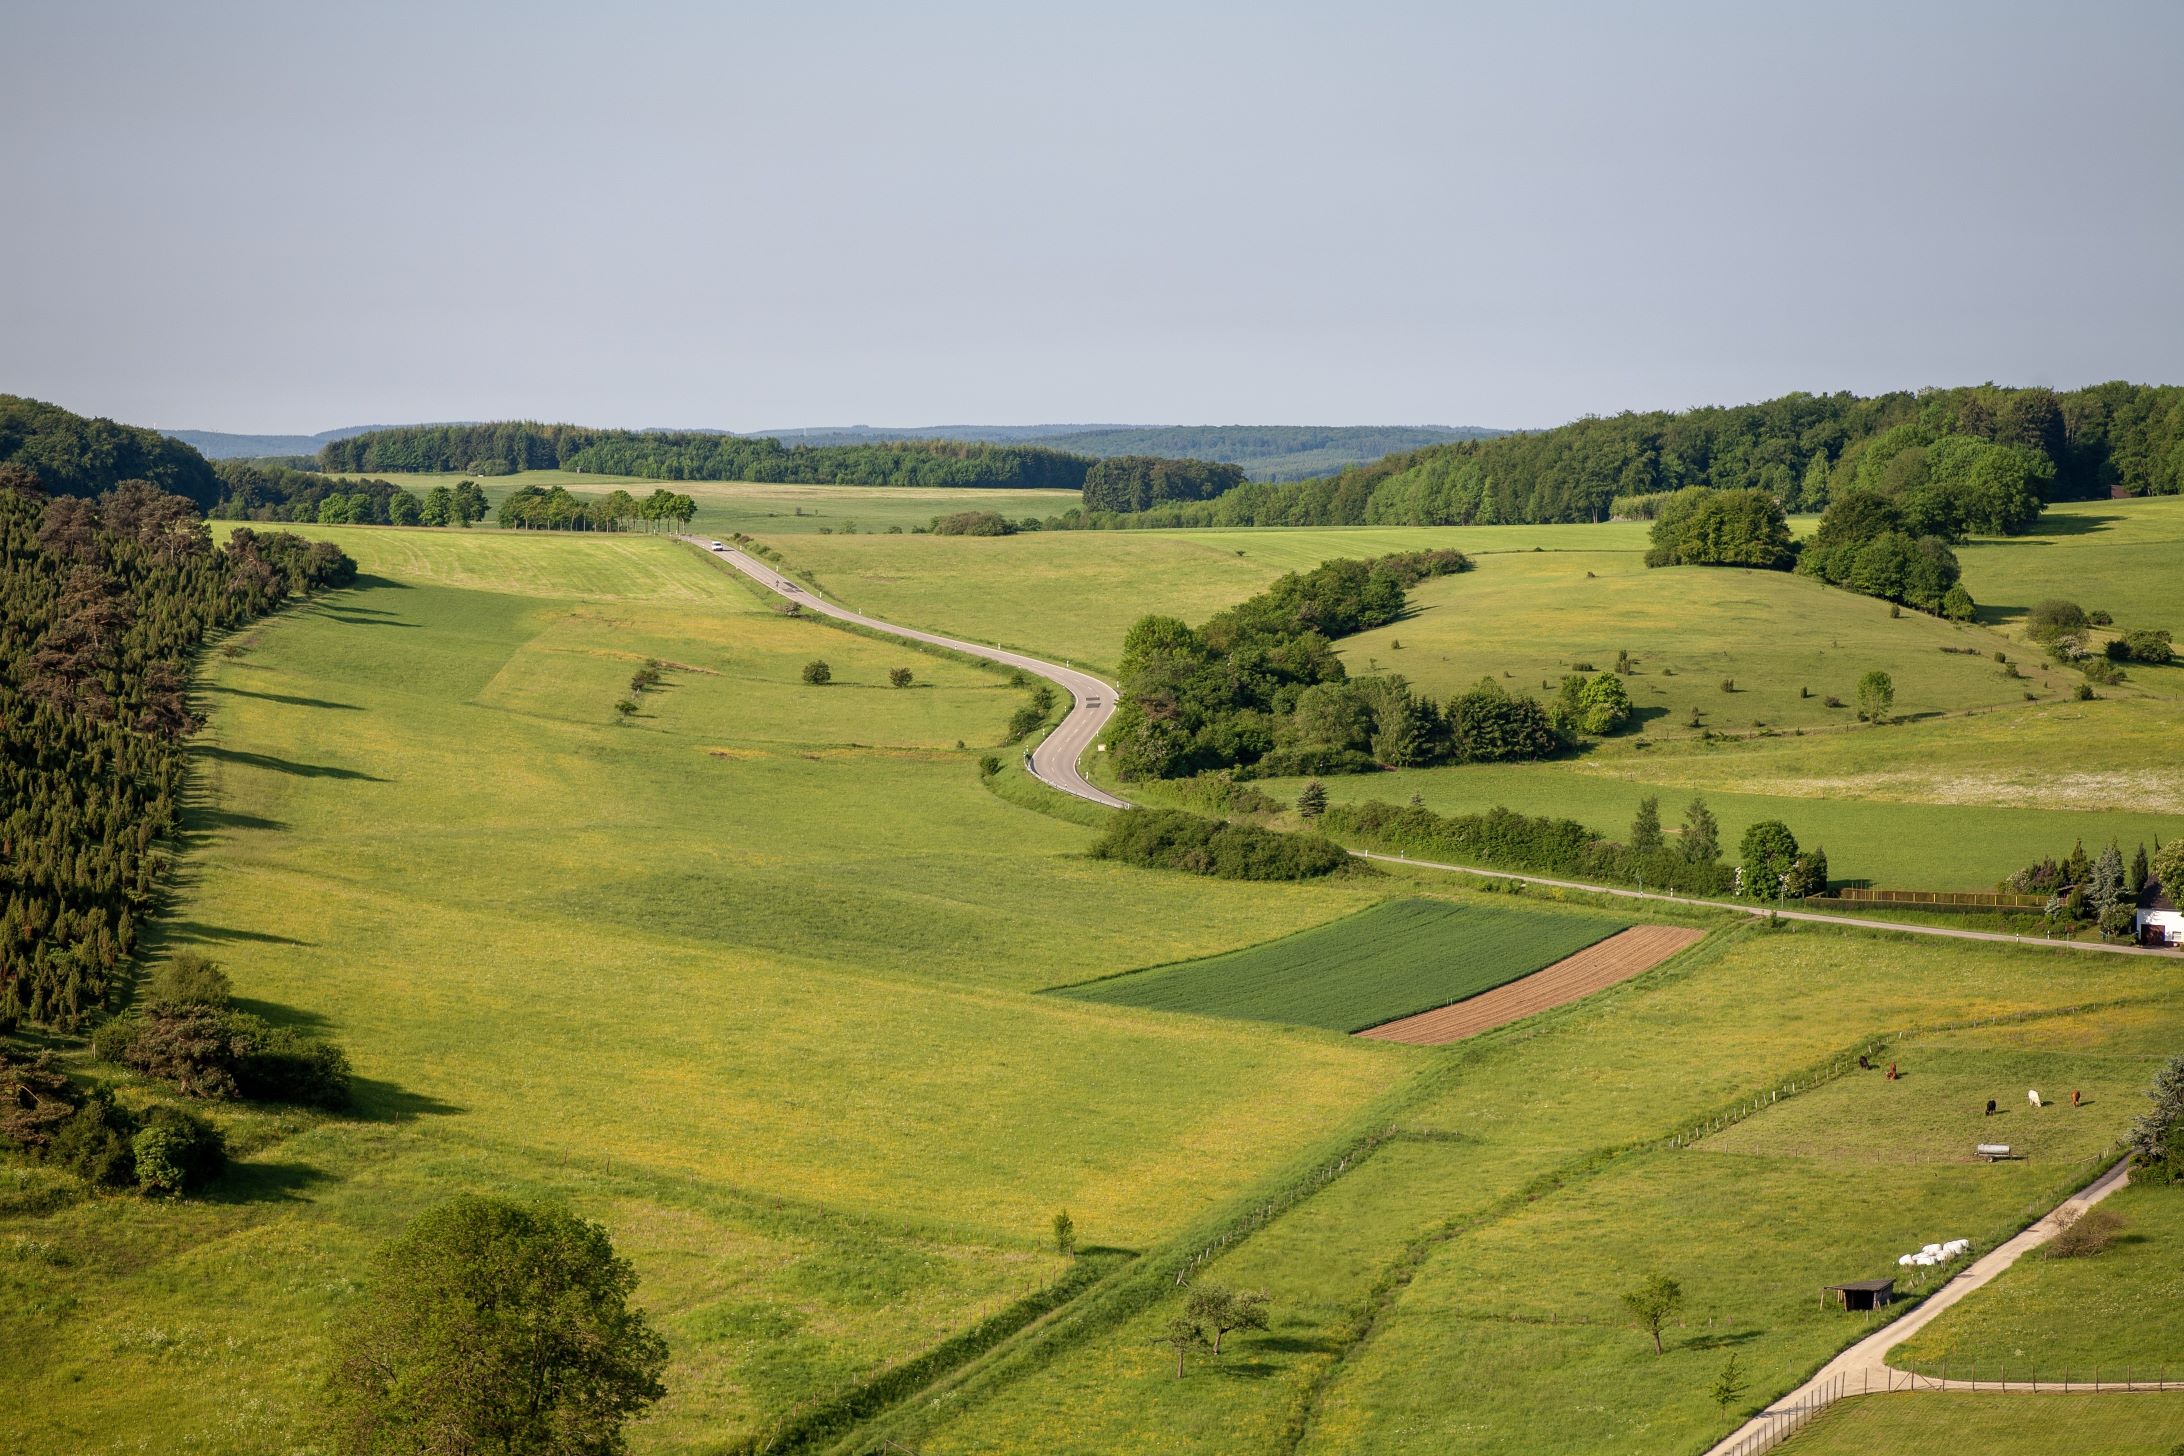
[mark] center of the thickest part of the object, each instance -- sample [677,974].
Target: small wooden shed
[1864,1294]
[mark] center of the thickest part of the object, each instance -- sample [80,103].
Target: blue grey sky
[286,217]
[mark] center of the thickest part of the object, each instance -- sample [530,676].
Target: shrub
[176,1153]
[36,1097]
[988,766]
[1312,802]
[2084,694]
[1171,839]
[2055,620]
[2099,617]
[2101,670]
[900,677]
[973,523]
[2089,1231]
[212,1052]
[95,1144]
[189,979]
[817,673]
[2146,644]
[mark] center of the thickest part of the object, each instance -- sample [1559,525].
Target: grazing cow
[2073,1097]
[1990,1107]
[2034,1097]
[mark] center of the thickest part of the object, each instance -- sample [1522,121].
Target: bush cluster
[46,1116]
[1171,839]
[190,1035]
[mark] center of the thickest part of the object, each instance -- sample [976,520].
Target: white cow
[2034,1098]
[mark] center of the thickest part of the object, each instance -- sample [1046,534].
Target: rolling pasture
[1458,1287]
[1396,959]
[747,977]
[1946,1423]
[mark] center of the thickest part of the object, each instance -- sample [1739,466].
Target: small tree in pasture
[1730,1383]
[900,677]
[1065,1233]
[1220,1309]
[1653,1303]
[1312,802]
[1876,696]
[817,673]
[1182,1336]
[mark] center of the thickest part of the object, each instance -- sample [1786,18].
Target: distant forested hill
[216,445]
[2108,439]
[73,455]
[1267,452]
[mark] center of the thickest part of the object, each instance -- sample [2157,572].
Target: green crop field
[1950,1423]
[1396,959]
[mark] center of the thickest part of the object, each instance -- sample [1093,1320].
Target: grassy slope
[1977,785]
[1505,1218]
[1951,1424]
[1400,957]
[750,993]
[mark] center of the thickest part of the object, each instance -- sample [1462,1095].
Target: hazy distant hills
[214,445]
[1266,452]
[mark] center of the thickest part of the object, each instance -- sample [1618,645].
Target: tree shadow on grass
[372,1100]
[1720,1340]
[200,822]
[365,581]
[287,699]
[279,1015]
[265,1183]
[196,932]
[283,765]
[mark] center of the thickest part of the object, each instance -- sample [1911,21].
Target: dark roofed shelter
[1864,1293]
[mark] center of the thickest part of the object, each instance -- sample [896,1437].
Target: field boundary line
[1379,1030]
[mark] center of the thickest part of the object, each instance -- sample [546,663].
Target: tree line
[1259,690]
[103,606]
[507,447]
[554,508]
[1803,449]
[256,490]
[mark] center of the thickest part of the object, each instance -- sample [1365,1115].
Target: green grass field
[1948,1423]
[1457,1289]
[1396,959]
[2114,1315]
[746,977]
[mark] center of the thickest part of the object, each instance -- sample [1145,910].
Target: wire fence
[1781,1422]
[2018,1375]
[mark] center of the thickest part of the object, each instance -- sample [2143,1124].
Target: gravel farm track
[1621,956]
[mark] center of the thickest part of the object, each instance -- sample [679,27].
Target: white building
[2159,921]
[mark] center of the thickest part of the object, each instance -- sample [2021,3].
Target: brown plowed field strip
[1618,958]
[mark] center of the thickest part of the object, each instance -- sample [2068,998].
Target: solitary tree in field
[1220,1309]
[1182,1336]
[1065,1234]
[1653,1304]
[817,673]
[494,1326]
[1312,802]
[1645,829]
[899,676]
[1876,696]
[1730,1383]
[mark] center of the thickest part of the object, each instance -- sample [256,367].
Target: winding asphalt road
[1093,703]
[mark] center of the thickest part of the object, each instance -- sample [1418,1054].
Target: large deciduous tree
[494,1326]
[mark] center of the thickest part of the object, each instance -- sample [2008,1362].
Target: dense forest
[1140,482]
[543,508]
[504,448]
[72,455]
[103,606]
[1979,442]
[1266,452]
[256,490]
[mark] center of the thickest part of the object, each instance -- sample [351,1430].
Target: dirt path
[1864,1366]
[1621,956]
